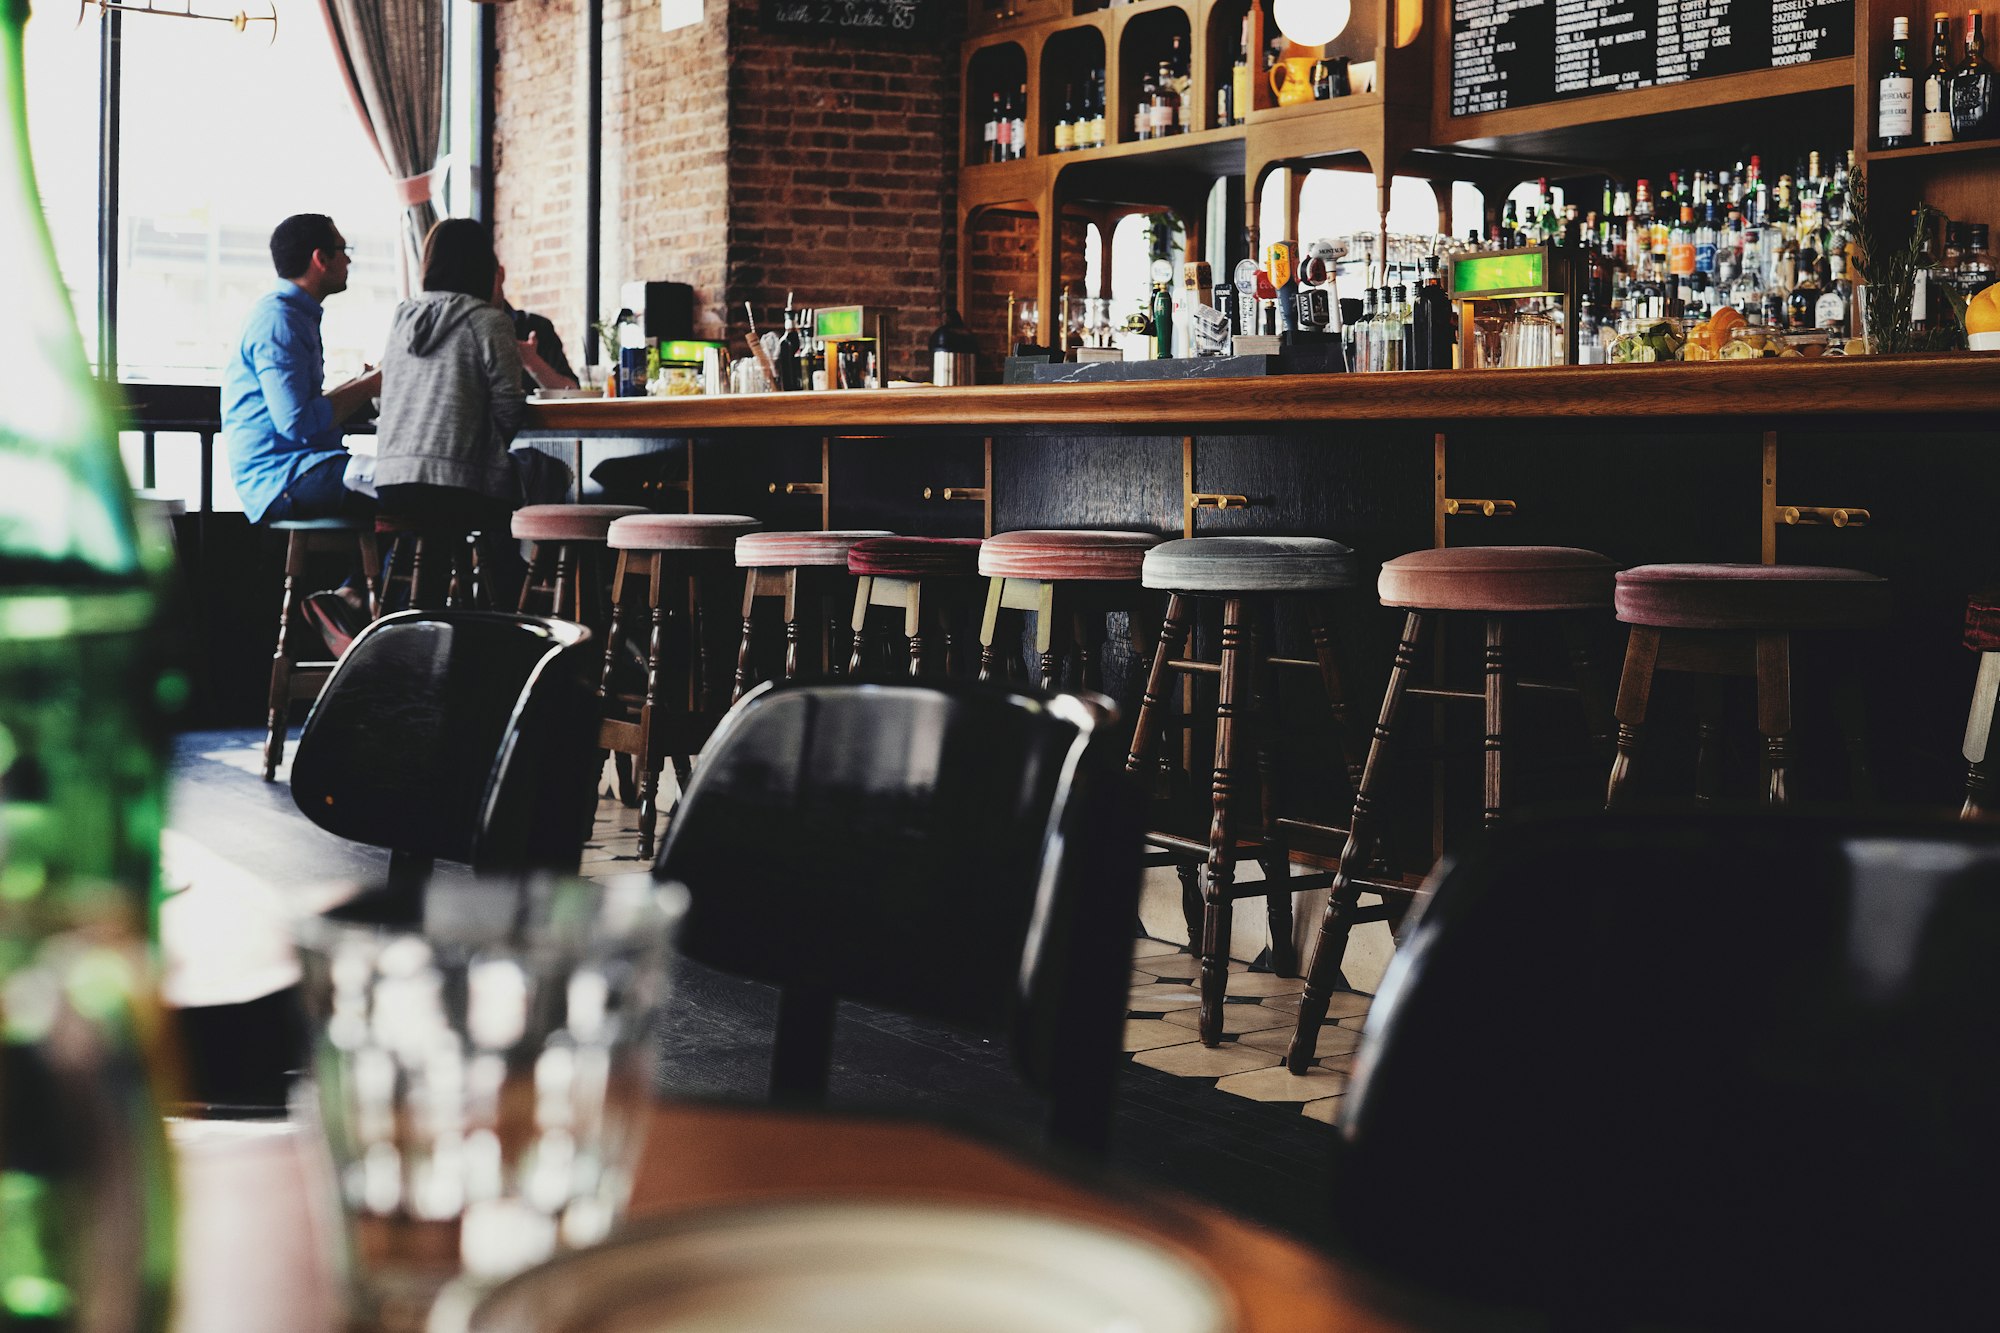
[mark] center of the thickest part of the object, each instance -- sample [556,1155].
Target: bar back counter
[1884,464]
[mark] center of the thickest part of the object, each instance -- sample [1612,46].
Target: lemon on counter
[1982,319]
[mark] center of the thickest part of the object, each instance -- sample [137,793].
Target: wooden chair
[962,852]
[1819,1159]
[1068,579]
[788,567]
[930,580]
[1733,620]
[1502,585]
[1248,575]
[294,677]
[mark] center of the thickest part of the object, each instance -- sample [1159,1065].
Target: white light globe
[1313,22]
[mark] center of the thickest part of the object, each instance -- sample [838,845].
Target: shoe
[336,620]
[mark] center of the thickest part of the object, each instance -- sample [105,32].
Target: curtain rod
[240,20]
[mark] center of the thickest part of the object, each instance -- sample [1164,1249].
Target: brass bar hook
[1480,508]
[798,488]
[1819,515]
[1218,502]
[954,492]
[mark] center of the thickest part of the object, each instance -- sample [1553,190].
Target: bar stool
[1495,583]
[786,565]
[1068,579]
[895,572]
[300,678]
[1732,620]
[1248,575]
[566,574]
[683,560]
[404,567]
[1982,636]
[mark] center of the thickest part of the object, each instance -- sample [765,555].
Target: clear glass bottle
[1365,349]
[1395,318]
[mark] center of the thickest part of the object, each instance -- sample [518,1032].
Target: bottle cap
[1900,27]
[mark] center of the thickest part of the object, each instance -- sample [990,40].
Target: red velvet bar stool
[1982,636]
[1732,620]
[788,566]
[1499,584]
[1248,575]
[918,576]
[294,677]
[684,563]
[1068,580]
[567,558]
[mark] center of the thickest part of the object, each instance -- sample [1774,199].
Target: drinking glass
[1530,339]
[483,1076]
[1027,322]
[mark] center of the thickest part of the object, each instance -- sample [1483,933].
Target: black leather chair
[960,852]
[1723,1074]
[466,735]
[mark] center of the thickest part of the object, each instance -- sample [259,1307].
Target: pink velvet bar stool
[1502,585]
[684,564]
[930,580]
[567,572]
[1068,579]
[792,568]
[1733,620]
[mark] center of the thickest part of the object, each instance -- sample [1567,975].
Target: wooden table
[253,1257]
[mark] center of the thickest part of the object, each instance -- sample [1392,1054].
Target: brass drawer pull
[954,492]
[1815,515]
[798,488]
[1480,508]
[1218,502]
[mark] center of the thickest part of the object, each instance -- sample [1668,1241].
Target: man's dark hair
[458,257]
[294,241]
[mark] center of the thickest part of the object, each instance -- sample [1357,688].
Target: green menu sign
[1500,273]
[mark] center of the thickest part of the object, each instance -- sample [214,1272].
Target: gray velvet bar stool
[1068,579]
[567,576]
[1247,575]
[1734,620]
[684,564]
[292,677]
[1501,585]
[791,567]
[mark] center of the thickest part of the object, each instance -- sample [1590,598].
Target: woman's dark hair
[458,257]
[295,240]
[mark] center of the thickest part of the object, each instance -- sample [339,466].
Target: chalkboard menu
[1511,53]
[886,20]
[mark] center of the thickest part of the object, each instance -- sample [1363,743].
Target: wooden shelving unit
[1404,126]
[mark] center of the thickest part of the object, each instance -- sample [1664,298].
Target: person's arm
[287,372]
[550,344]
[349,398]
[544,371]
[502,355]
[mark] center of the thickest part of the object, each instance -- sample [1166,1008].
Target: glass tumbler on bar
[483,1078]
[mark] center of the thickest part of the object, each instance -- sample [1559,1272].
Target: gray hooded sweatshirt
[451,397]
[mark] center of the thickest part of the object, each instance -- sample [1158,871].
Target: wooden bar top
[1888,386]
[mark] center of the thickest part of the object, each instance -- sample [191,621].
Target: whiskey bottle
[1937,82]
[1895,98]
[1972,87]
[1166,102]
[1142,112]
[991,131]
[1018,130]
[1066,124]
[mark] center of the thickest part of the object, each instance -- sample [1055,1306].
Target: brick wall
[744,163]
[1003,262]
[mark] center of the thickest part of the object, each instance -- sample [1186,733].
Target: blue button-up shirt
[276,421]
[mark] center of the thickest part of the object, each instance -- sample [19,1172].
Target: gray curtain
[392,55]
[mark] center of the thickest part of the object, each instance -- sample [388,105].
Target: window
[1132,264]
[62,91]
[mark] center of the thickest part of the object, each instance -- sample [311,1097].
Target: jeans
[321,492]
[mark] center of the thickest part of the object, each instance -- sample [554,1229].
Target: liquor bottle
[1166,103]
[1802,303]
[1017,133]
[1975,275]
[86,1225]
[1680,245]
[1163,322]
[1551,222]
[1240,93]
[1362,356]
[990,132]
[1937,82]
[1181,79]
[791,377]
[1896,94]
[1430,322]
[1836,300]
[1003,134]
[1395,317]
[1510,227]
[1973,112]
[1142,111]
[1097,113]
[1066,124]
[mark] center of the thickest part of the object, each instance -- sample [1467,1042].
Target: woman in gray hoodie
[452,400]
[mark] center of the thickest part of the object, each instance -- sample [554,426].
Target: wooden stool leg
[1333,681]
[281,662]
[1978,736]
[1331,947]
[742,682]
[1159,679]
[1597,715]
[1084,630]
[1498,687]
[1275,858]
[864,589]
[537,569]
[1219,872]
[792,577]
[1774,711]
[1051,640]
[1635,691]
[371,567]
[1708,741]
[565,589]
[628,790]
[913,626]
[649,760]
[989,655]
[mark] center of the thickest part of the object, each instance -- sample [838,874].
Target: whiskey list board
[1513,53]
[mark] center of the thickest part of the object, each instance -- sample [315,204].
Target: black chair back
[1691,1074]
[466,735]
[961,852]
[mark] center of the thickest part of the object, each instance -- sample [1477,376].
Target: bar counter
[1886,386]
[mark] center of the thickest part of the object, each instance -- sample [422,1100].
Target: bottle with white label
[1937,83]
[1895,115]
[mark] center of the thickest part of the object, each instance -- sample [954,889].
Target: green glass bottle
[86,1238]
